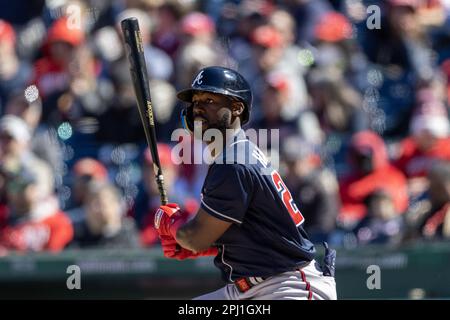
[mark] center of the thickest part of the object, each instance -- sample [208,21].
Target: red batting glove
[168,219]
[173,250]
[169,246]
[208,252]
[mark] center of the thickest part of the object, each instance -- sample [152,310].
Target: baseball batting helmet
[217,80]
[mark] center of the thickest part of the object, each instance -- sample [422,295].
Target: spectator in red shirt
[32,223]
[429,140]
[371,171]
[84,172]
[51,71]
[166,33]
[14,72]
[437,222]
[429,216]
[198,47]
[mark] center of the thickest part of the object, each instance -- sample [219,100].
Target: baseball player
[247,218]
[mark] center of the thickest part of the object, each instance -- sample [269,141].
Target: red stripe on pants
[308,285]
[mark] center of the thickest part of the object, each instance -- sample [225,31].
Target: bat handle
[162,189]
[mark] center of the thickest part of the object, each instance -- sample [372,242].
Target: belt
[246,283]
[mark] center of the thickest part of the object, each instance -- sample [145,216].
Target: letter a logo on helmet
[198,79]
[217,80]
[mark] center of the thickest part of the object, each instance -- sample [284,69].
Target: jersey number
[287,199]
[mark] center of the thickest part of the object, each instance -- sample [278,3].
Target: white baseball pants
[307,284]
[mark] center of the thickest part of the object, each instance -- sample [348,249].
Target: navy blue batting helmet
[217,80]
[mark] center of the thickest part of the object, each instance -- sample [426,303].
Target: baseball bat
[138,69]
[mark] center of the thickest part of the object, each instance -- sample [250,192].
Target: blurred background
[358,89]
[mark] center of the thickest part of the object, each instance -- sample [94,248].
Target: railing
[414,271]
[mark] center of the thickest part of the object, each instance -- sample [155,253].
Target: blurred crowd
[358,89]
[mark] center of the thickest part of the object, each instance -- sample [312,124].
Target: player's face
[212,110]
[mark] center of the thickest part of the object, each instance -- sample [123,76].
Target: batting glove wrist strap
[168,220]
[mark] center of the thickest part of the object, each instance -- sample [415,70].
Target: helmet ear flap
[187,119]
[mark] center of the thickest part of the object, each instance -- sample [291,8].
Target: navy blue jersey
[266,237]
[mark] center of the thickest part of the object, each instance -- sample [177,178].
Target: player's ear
[237,108]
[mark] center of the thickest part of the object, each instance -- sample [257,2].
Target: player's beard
[223,122]
[224,115]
